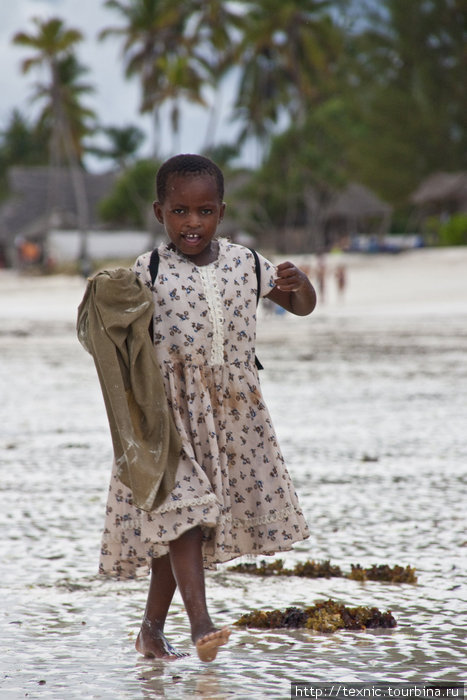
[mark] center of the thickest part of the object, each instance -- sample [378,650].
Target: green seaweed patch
[264,568]
[383,572]
[325,616]
[312,569]
[306,569]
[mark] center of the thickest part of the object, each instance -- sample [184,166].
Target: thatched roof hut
[41,196]
[441,193]
[358,209]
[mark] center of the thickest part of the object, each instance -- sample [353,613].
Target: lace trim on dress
[135,523]
[213,298]
[209,499]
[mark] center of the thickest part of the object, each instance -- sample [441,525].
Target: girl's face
[190,214]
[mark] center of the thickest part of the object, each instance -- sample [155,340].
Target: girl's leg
[151,640]
[187,566]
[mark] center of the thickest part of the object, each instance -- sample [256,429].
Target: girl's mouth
[191,238]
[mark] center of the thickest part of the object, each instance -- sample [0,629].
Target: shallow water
[370,410]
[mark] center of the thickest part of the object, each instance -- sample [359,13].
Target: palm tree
[157,51]
[176,49]
[53,45]
[124,143]
[215,29]
[79,120]
[288,51]
[179,80]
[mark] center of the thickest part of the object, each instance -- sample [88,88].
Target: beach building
[441,195]
[43,200]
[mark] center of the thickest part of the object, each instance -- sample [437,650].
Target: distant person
[3,260]
[232,494]
[340,275]
[85,266]
[321,274]
[29,253]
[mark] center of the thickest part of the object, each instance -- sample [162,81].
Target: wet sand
[369,400]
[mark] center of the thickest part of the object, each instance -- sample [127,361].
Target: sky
[115,99]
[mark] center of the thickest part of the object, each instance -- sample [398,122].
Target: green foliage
[222,154]
[288,52]
[409,73]
[330,90]
[123,144]
[132,196]
[21,143]
[306,164]
[453,231]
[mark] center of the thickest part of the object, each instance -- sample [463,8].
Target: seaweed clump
[312,569]
[306,569]
[324,616]
[274,568]
[391,574]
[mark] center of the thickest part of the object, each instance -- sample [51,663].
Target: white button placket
[216,315]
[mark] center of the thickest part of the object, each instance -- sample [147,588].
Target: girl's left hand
[290,278]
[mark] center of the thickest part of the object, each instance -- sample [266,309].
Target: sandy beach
[428,281]
[368,396]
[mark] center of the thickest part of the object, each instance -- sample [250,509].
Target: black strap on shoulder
[258,292]
[258,274]
[154,268]
[154,265]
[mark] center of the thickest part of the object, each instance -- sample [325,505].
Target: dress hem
[143,568]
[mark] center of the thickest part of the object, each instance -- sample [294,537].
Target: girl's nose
[193,219]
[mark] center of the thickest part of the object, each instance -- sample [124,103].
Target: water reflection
[374,434]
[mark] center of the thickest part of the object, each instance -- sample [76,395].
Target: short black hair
[188,164]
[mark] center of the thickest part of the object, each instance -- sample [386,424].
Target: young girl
[233,494]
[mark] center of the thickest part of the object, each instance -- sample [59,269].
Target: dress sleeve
[268,275]
[141,268]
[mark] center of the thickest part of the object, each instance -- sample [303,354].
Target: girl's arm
[293,290]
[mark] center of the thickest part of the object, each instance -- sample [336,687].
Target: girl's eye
[207,211]
[178,211]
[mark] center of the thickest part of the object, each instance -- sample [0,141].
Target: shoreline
[421,281]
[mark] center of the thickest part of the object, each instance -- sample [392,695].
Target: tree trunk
[316,202]
[62,132]
[81,199]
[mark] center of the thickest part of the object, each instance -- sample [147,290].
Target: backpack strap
[258,274]
[258,292]
[153,268]
[154,265]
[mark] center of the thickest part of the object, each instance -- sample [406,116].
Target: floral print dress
[231,478]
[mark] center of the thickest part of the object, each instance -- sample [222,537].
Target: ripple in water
[374,435]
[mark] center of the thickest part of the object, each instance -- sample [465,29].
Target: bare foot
[152,643]
[208,645]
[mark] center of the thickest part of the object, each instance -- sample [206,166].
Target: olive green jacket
[113,321]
